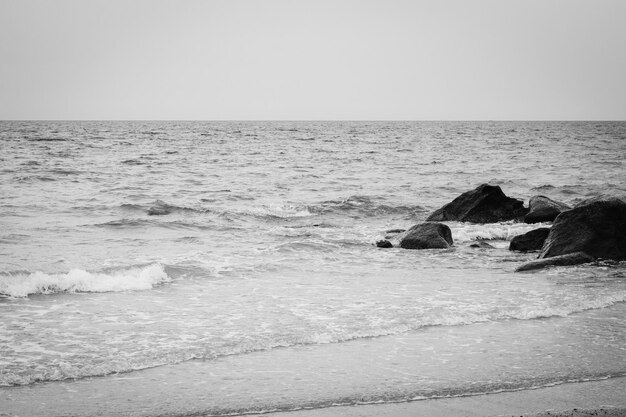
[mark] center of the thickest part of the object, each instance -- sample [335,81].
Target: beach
[231,268]
[586,399]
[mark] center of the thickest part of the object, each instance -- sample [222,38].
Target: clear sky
[313,59]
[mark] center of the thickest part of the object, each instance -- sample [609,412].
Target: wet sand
[597,398]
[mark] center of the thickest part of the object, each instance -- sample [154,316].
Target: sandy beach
[596,398]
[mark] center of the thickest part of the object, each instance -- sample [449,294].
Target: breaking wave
[465,232]
[24,283]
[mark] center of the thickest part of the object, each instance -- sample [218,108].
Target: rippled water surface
[232,264]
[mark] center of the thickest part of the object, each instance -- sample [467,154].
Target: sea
[193,268]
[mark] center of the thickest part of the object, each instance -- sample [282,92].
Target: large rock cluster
[594,229]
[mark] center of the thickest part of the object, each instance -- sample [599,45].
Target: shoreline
[577,399]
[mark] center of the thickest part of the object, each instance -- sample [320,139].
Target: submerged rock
[384,244]
[485,204]
[481,245]
[159,211]
[427,235]
[160,208]
[544,209]
[532,240]
[598,229]
[575,258]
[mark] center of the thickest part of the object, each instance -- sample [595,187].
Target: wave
[30,178]
[47,139]
[31,163]
[14,238]
[282,211]
[24,283]
[354,206]
[133,162]
[122,223]
[469,232]
[161,208]
[364,206]
[59,171]
[137,223]
[466,232]
[155,274]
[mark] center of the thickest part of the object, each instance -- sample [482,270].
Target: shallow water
[236,259]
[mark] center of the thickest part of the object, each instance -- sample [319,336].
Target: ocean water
[227,268]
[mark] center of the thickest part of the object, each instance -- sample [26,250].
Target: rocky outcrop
[532,240]
[543,209]
[575,258]
[384,244]
[427,235]
[485,204]
[597,229]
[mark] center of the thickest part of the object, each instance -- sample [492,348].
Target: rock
[160,208]
[384,244]
[544,209]
[481,245]
[427,235]
[158,211]
[532,240]
[590,200]
[575,258]
[485,204]
[598,229]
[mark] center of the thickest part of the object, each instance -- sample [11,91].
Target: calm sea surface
[210,268]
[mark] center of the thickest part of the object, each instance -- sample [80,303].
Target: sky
[313,59]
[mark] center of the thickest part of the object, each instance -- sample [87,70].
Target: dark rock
[590,200]
[160,208]
[481,245]
[532,240]
[384,244]
[159,211]
[575,258]
[598,229]
[485,204]
[544,209]
[427,236]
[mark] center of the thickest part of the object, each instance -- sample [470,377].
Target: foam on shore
[581,399]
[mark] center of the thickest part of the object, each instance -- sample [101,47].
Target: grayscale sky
[313,59]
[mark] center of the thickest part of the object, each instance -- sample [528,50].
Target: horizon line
[312,120]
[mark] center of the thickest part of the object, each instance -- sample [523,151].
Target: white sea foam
[465,232]
[78,280]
